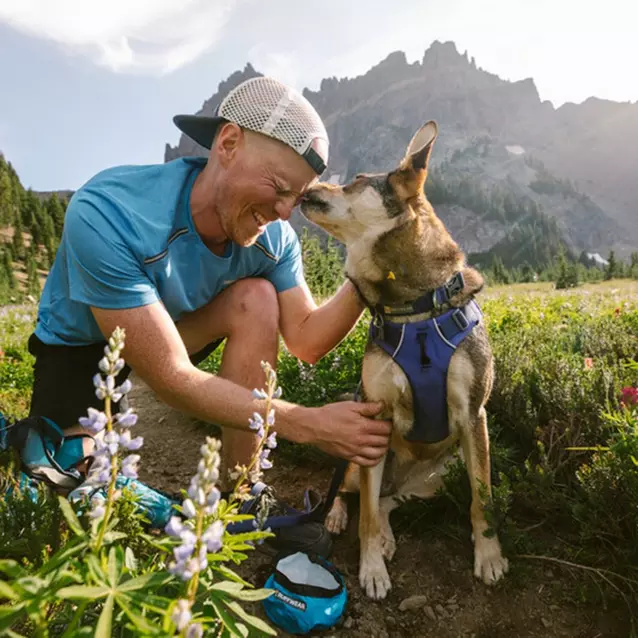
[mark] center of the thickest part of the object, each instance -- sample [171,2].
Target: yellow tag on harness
[390,275]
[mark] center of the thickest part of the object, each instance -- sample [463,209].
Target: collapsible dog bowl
[309,594]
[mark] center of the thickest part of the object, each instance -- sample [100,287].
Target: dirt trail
[533,600]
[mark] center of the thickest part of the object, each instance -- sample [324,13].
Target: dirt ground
[534,600]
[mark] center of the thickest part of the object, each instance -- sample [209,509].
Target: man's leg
[247,314]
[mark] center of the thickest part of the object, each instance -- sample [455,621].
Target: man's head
[267,146]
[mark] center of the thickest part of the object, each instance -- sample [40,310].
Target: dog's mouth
[311,202]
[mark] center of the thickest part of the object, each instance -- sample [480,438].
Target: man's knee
[254,305]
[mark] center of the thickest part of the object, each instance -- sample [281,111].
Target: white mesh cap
[267,106]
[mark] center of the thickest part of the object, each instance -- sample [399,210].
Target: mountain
[506,159]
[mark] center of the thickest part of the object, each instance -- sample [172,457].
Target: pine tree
[7,267]
[33,281]
[18,240]
[633,268]
[611,270]
[6,216]
[56,211]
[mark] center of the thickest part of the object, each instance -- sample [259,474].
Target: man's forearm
[216,400]
[329,324]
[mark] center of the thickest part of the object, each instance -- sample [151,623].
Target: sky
[88,84]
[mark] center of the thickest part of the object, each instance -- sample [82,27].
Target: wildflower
[271,441]
[195,630]
[95,422]
[589,363]
[264,463]
[188,509]
[213,536]
[182,614]
[259,394]
[174,526]
[126,419]
[629,396]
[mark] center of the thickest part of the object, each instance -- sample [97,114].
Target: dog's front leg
[489,563]
[373,574]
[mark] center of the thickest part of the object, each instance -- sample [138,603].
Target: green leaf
[228,573]
[129,560]
[6,591]
[228,586]
[115,565]
[144,581]
[83,592]
[12,569]
[9,614]
[229,621]
[139,621]
[253,621]
[252,595]
[111,537]
[73,547]
[103,629]
[71,516]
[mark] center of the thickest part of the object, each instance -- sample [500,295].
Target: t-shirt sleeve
[102,269]
[288,272]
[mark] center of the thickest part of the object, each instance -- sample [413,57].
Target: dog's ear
[419,149]
[408,181]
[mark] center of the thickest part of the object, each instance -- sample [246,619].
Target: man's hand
[348,430]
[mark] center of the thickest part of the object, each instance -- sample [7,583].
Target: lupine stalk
[107,464]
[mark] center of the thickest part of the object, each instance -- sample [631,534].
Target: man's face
[262,181]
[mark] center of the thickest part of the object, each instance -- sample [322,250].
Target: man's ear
[228,141]
[419,149]
[409,179]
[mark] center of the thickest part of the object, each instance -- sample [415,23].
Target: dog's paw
[388,544]
[489,563]
[374,578]
[337,518]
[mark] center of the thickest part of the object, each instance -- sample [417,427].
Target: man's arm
[155,350]
[310,332]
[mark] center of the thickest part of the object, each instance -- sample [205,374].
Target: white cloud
[148,36]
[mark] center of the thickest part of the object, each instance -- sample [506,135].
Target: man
[186,254]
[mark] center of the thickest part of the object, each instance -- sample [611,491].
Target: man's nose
[284,208]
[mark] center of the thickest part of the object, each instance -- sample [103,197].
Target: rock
[546,623]
[453,608]
[413,602]
[429,612]
[441,610]
[349,623]
[391,621]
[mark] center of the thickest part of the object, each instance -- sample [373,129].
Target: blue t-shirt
[129,240]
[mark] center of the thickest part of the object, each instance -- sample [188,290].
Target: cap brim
[200,128]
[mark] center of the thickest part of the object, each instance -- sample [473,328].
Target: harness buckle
[454,285]
[459,318]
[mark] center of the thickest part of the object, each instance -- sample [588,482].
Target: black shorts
[63,387]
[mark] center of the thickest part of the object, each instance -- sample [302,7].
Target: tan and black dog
[397,251]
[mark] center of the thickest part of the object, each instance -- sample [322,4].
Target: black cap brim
[200,128]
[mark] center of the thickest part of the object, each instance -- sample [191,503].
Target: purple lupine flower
[195,630]
[259,394]
[271,441]
[203,560]
[112,440]
[270,420]
[129,465]
[95,422]
[126,419]
[188,509]
[104,365]
[264,463]
[130,444]
[183,552]
[277,394]
[174,527]
[182,614]
[118,366]
[126,387]
[213,536]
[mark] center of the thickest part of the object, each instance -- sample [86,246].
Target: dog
[401,259]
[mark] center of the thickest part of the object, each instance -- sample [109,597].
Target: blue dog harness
[423,351]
